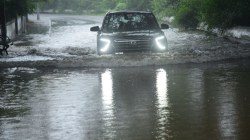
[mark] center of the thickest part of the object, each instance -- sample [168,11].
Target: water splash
[69,43]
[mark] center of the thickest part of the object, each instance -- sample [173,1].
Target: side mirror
[95,29]
[164,26]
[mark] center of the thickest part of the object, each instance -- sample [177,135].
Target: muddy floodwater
[66,41]
[53,86]
[202,101]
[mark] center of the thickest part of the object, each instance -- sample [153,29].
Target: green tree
[165,7]
[188,14]
[18,7]
[138,5]
[225,14]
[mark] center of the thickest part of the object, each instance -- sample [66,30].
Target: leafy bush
[17,7]
[121,6]
[225,14]
[215,13]
[186,17]
[163,8]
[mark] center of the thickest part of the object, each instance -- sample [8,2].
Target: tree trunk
[38,10]
[3,21]
[16,24]
[26,17]
[23,24]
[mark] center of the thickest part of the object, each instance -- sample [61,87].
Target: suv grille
[133,44]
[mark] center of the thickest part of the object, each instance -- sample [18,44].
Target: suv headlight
[161,42]
[106,44]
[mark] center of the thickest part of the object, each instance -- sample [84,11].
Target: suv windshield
[122,22]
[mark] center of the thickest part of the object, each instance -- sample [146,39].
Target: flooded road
[66,41]
[54,86]
[205,101]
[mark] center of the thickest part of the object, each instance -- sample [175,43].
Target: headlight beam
[107,45]
[159,44]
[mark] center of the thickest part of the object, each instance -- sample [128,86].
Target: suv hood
[138,33]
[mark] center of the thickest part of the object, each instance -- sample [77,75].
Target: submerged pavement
[54,86]
[65,41]
[175,102]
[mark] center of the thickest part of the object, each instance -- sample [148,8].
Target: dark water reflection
[209,101]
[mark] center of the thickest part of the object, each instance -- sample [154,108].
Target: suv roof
[127,11]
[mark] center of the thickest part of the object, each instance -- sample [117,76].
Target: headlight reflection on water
[161,85]
[108,103]
[107,88]
[162,103]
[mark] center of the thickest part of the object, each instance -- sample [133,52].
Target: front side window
[123,22]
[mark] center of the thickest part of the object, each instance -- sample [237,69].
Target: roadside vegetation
[14,8]
[187,13]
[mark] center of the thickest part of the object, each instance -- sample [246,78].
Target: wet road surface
[68,41]
[205,101]
[54,86]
